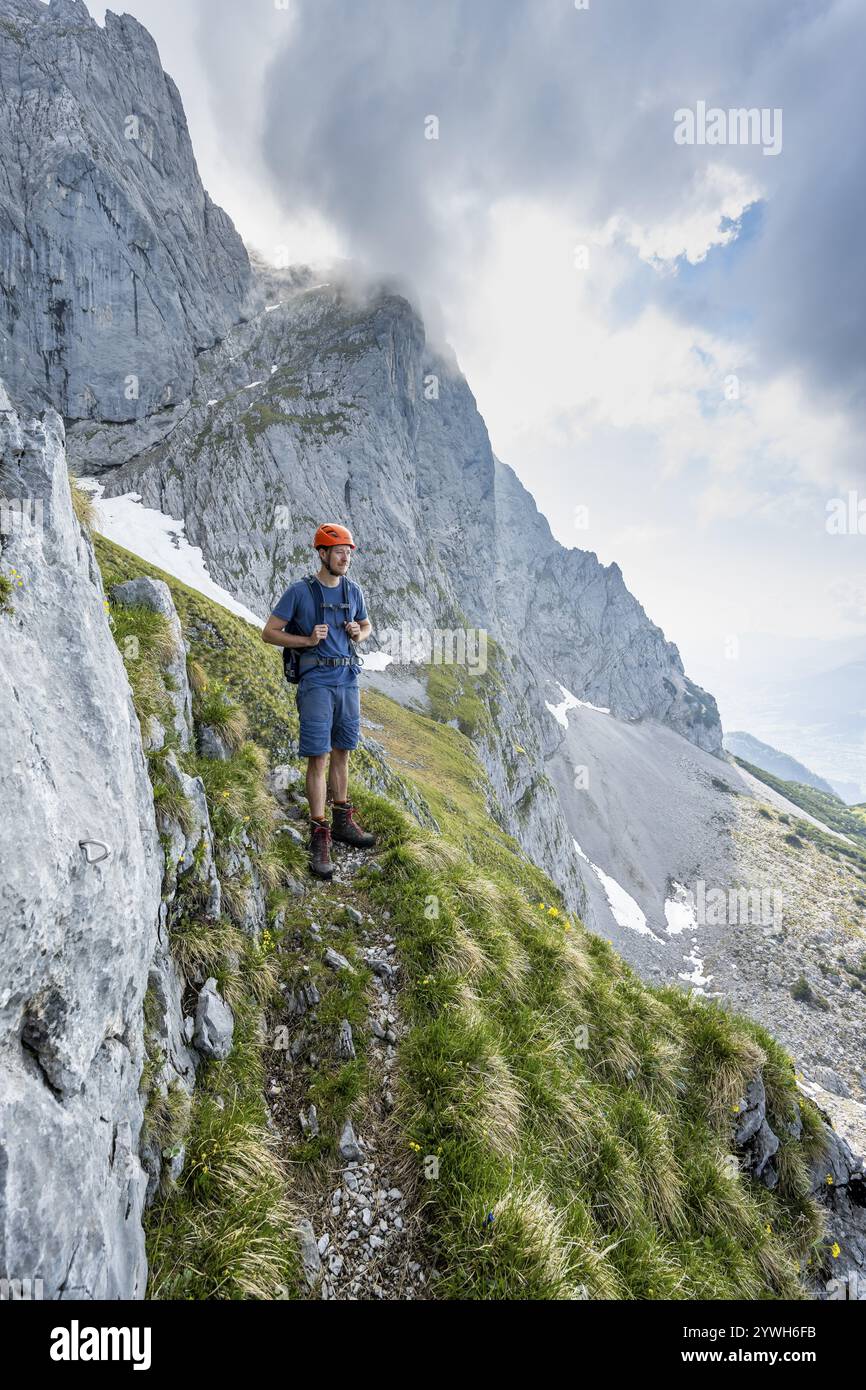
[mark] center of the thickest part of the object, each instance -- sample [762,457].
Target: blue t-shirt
[297,605]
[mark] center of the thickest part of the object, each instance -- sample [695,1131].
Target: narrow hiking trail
[360,1233]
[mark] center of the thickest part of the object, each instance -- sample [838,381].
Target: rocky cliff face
[330,404]
[101,1030]
[252,403]
[115,266]
[326,403]
[79,898]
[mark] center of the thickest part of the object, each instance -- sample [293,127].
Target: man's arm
[272,632]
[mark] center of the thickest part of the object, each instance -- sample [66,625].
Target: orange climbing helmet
[330,534]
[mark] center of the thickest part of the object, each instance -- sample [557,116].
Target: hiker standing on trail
[316,622]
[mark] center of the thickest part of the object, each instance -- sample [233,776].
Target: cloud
[604,386]
[709,215]
[573,108]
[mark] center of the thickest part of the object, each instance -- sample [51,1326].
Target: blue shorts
[330,717]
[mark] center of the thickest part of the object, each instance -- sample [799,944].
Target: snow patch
[269,308]
[160,540]
[624,910]
[695,977]
[569,701]
[376,661]
[680,910]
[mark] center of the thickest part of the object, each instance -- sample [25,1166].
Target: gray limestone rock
[345,1046]
[282,782]
[752,1134]
[117,267]
[752,1112]
[350,1147]
[191,845]
[309,1121]
[251,912]
[212,745]
[79,899]
[152,735]
[337,961]
[311,1260]
[214,1023]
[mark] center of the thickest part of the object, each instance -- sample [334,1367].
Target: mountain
[270,400]
[116,267]
[803,695]
[752,750]
[320,400]
[317,406]
[198,1037]
[178,986]
[828,812]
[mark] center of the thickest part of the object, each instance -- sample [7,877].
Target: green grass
[456,693]
[228,649]
[215,707]
[562,1169]
[849,820]
[565,1129]
[5,594]
[803,992]
[83,504]
[226,1229]
[145,642]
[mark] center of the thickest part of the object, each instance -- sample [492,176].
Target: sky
[664,334]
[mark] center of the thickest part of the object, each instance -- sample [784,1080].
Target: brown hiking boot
[320,849]
[346,828]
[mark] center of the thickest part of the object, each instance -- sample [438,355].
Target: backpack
[292,655]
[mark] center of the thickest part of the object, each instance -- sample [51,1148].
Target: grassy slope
[848,820]
[578,1123]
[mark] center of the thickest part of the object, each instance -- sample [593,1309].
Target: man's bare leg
[338,774]
[316,785]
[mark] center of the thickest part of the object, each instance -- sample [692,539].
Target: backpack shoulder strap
[318,603]
[350,617]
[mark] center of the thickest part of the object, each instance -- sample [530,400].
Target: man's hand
[353,630]
[318,634]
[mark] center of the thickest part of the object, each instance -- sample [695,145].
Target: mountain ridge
[264,402]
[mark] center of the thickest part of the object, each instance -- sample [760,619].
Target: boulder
[214,1023]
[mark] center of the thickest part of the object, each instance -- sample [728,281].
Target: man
[329,701]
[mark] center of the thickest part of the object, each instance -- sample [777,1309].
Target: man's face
[340,557]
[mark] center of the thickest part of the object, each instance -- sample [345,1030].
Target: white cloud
[707,216]
[550,361]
